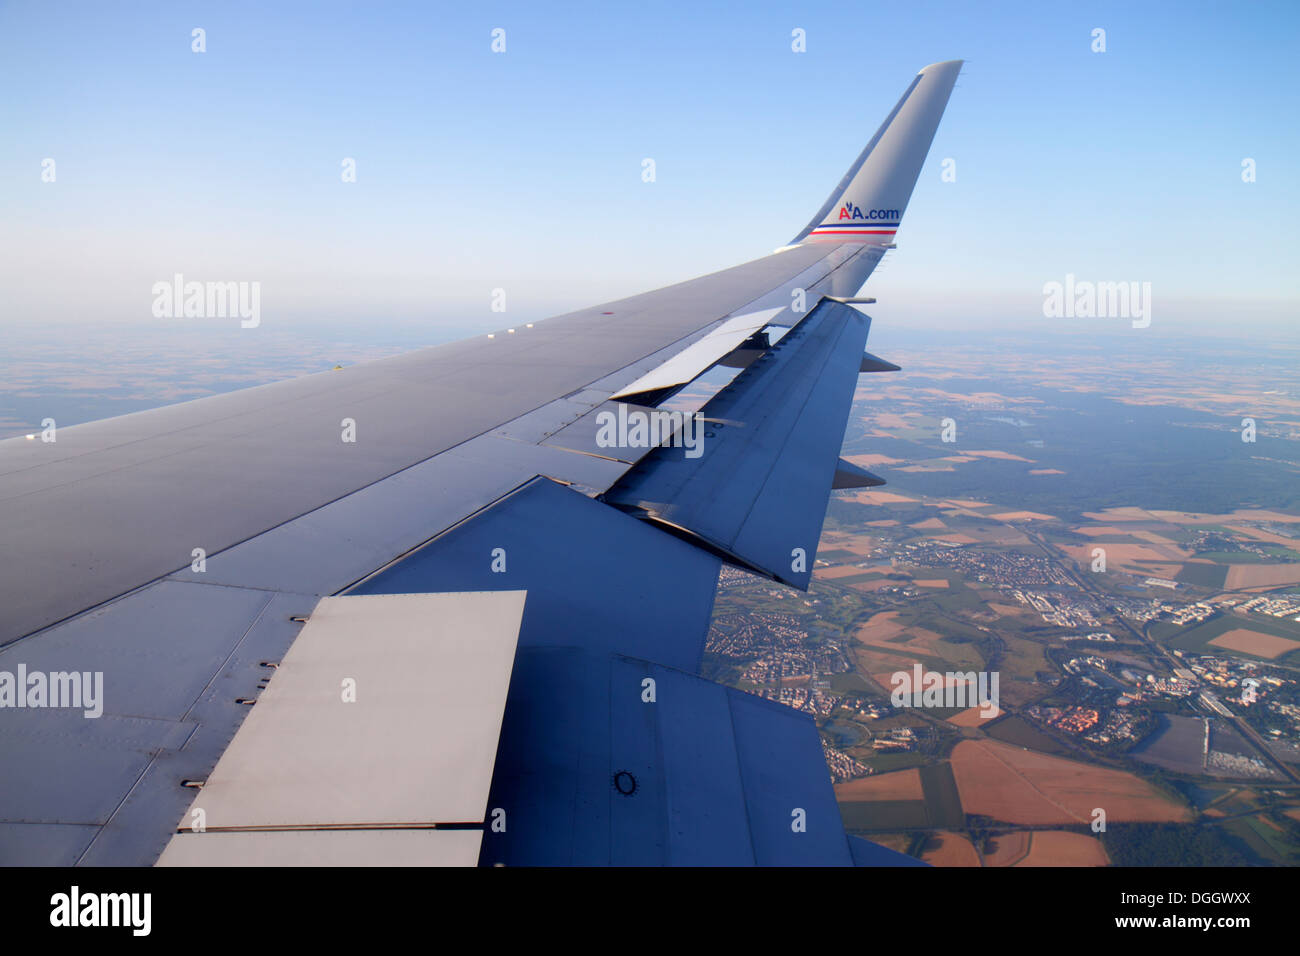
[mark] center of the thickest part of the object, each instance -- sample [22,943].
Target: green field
[1021,733]
[1203,575]
[960,657]
[940,808]
[859,578]
[883,763]
[1197,638]
[838,555]
[862,816]
[1236,557]
[849,683]
[942,802]
[1022,659]
[1273,846]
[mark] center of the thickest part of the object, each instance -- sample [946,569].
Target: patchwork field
[878,498]
[1001,455]
[1017,848]
[1008,783]
[1008,849]
[882,631]
[882,663]
[1247,576]
[1136,557]
[1256,643]
[950,849]
[870,461]
[838,571]
[1063,848]
[899,785]
[1204,637]
[973,717]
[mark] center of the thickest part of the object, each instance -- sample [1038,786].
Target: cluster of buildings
[1120,727]
[1077,665]
[899,591]
[1161,583]
[1238,765]
[1181,683]
[1276,605]
[1060,609]
[900,739]
[1172,686]
[812,700]
[1269,700]
[784,663]
[1289,713]
[776,644]
[1215,682]
[1140,609]
[1227,673]
[1215,541]
[869,709]
[842,766]
[998,568]
[739,636]
[1075,720]
[1192,613]
[788,664]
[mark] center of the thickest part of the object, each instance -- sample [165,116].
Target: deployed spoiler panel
[768,454]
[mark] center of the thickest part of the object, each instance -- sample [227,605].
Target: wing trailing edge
[755,490]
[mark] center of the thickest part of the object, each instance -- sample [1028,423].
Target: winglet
[868,203]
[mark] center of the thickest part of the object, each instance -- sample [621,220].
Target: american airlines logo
[850,211]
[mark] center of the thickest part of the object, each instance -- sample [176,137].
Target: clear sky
[522,170]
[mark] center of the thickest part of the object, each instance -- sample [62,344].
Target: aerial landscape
[1141,610]
[1098,535]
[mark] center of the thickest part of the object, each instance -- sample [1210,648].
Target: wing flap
[405,689]
[757,491]
[693,774]
[612,750]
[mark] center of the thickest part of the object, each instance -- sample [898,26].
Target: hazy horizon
[522,170]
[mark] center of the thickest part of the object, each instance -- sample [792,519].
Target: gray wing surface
[472,635]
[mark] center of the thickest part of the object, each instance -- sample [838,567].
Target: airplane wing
[450,607]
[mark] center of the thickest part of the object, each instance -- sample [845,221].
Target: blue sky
[522,170]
